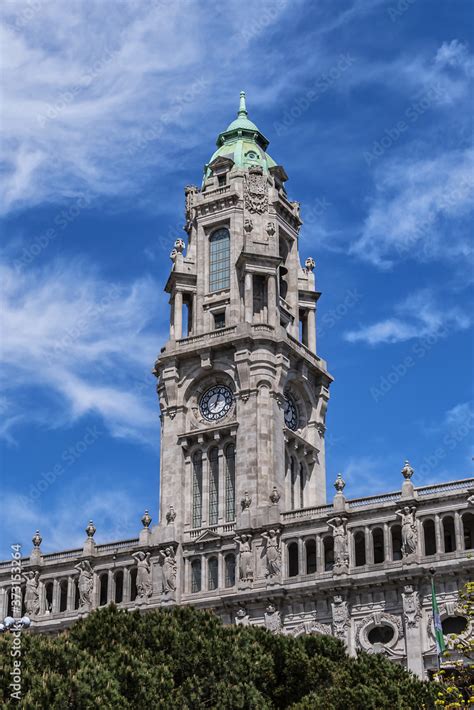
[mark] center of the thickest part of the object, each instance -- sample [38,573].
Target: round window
[380,634]
[454,625]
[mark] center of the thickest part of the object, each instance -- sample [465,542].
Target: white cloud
[83,340]
[414,199]
[419,316]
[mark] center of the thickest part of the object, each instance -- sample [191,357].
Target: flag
[438,629]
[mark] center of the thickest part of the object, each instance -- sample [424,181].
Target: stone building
[245,528]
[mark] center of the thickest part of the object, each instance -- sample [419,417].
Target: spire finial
[242,106]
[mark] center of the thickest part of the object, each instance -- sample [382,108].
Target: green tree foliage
[186,659]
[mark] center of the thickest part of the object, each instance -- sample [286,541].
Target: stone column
[220,570]
[438,535]
[319,554]
[203,573]
[369,550]
[127,585]
[301,557]
[311,329]
[387,548]
[71,593]
[110,587]
[56,595]
[272,303]
[412,616]
[3,603]
[248,297]
[178,315]
[459,531]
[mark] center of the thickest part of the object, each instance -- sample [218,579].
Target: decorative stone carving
[144,585]
[37,539]
[321,427]
[411,605]
[245,558]
[310,263]
[146,519]
[32,593]
[169,566]
[270,229]
[173,254]
[274,496]
[340,617]
[180,246]
[409,530]
[378,618]
[341,547]
[272,619]
[189,191]
[272,553]
[255,191]
[90,529]
[470,499]
[248,225]
[171,515]
[246,501]
[311,626]
[85,584]
[242,618]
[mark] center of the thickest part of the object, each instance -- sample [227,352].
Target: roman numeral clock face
[216,403]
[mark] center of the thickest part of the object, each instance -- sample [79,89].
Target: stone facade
[244,525]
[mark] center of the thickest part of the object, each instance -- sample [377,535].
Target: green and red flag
[438,629]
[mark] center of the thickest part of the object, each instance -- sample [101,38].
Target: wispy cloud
[81,340]
[418,316]
[414,199]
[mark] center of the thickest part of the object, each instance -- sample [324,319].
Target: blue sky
[109,110]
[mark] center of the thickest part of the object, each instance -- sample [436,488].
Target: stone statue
[242,618]
[144,586]
[409,531]
[169,566]
[32,593]
[272,619]
[245,558]
[273,553]
[85,584]
[341,548]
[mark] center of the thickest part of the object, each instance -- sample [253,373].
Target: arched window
[104,589]
[310,546]
[449,535]
[359,548]
[213,486]
[212,573]
[293,562]
[377,542]
[219,260]
[468,529]
[229,569]
[229,475]
[195,576]
[118,587]
[133,584]
[197,489]
[63,595]
[396,532]
[429,537]
[49,596]
[328,545]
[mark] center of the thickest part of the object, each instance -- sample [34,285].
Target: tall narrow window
[294,476]
[302,484]
[63,595]
[197,489]
[212,574]
[219,260]
[213,486]
[230,483]
[195,576]
[229,580]
[310,556]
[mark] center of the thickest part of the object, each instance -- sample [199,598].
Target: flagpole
[438,629]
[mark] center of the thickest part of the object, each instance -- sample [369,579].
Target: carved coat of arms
[256,196]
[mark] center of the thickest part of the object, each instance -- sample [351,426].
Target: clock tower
[243,392]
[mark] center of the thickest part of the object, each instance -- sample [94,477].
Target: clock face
[216,403]
[291,415]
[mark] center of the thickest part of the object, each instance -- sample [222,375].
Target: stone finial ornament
[146,519]
[90,529]
[171,515]
[37,539]
[246,501]
[310,263]
[339,483]
[407,471]
[173,254]
[179,246]
[274,496]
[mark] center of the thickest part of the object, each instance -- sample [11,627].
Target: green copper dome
[242,142]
